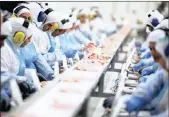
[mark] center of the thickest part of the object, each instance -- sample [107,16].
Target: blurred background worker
[39,40]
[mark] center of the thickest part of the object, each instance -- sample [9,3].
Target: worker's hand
[103,45]
[91,46]
[43,83]
[138,59]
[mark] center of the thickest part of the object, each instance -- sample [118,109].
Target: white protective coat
[9,60]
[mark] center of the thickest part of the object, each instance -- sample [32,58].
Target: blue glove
[43,67]
[143,50]
[143,79]
[50,76]
[138,66]
[134,104]
[147,55]
[30,64]
[146,71]
[70,53]
[138,44]
[149,70]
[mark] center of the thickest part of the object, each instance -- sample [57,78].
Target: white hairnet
[84,12]
[156,35]
[164,24]
[23,10]
[154,14]
[161,46]
[57,17]
[14,25]
[72,18]
[53,17]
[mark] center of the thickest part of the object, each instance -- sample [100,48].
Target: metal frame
[111,67]
[116,109]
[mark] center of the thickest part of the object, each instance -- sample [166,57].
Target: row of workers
[152,65]
[37,37]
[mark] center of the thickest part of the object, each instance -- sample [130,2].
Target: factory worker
[12,61]
[42,40]
[153,19]
[62,22]
[38,16]
[31,54]
[70,46]
[146,54]
[84,26]
[152,92]
[154,81]
[97,29]
[56,23]
[78,35]
[163,26]
[56,35]
[97,22]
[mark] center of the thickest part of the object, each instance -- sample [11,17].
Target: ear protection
[154,21]
[47,11]
[54,27]
[41,16]
[19,37]
[77,16]
[90,16]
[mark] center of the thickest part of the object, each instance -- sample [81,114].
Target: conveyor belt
[65,96]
